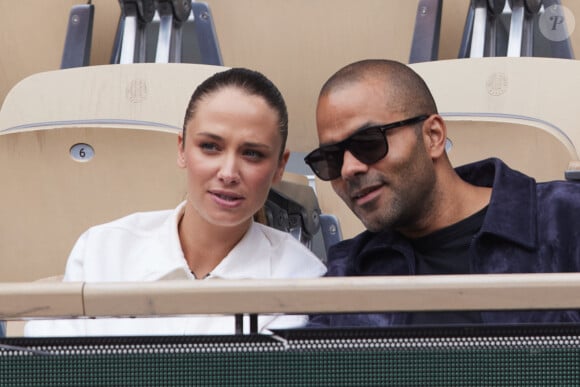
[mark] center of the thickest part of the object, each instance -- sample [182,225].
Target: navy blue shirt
[529,227]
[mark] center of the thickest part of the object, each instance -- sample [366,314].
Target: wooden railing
[345,294]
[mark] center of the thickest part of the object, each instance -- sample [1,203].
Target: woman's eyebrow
[248,144]
[257,145]
[210,135]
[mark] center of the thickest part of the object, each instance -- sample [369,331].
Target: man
[383,150]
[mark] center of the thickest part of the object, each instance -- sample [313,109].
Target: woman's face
[232,156]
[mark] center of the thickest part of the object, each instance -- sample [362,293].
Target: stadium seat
[83,146]
[522,110]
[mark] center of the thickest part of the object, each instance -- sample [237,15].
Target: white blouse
[146,247]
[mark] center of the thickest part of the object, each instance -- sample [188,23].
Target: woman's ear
[435,135]
[180,151]
[281,166]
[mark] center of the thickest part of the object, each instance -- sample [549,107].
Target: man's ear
[435,135]
[180,151]
[281,166]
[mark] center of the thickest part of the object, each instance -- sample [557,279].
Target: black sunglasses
[368,145]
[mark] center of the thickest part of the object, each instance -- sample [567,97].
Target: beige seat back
[522,110]
[129,115]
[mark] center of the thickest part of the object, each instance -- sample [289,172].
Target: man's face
[393,192]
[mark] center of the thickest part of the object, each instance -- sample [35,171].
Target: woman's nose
[228,172]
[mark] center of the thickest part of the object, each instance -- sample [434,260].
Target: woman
[233,149]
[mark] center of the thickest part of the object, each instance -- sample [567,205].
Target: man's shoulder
[560,189]
[560,196]
[341,255]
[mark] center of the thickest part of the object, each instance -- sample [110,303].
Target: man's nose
[351,166]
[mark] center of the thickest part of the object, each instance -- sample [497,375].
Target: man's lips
[366,194]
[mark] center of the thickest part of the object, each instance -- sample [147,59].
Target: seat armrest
[573,171]
[330,227]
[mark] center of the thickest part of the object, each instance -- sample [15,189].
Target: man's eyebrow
[359,129]
[366,126]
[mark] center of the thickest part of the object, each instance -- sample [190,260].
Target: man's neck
[453,200]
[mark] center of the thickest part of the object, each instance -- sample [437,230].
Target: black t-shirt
[446,251]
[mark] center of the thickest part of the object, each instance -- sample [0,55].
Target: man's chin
[371,223]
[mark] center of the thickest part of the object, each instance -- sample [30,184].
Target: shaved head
[406,91]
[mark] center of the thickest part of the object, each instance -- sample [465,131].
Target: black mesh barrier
[435,356]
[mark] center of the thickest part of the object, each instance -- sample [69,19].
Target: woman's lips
[227,199]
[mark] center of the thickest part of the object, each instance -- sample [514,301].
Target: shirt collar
[512,211]
[171,264]
[248,259]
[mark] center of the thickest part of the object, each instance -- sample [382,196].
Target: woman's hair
[249,81]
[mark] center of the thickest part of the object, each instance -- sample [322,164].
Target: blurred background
[297,43]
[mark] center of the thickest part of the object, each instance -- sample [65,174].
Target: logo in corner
[556,23]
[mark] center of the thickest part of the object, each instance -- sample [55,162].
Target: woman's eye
[209,146]
[253,154]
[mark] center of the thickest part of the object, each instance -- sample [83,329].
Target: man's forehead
[351,96]
[367,83]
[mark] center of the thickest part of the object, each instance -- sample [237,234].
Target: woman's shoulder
[139,246]
[291,256]
[279,239]
[137,223]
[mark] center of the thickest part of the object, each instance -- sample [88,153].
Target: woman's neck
[205,245]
